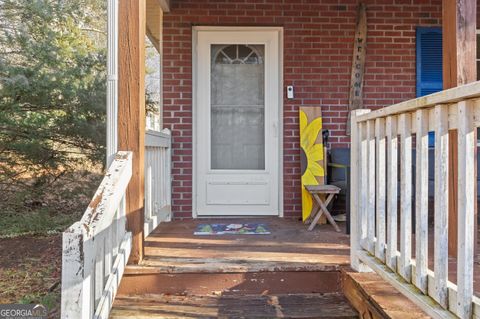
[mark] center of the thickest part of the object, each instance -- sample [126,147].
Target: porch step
[329,305]
[231,283]
[291,273]
[371,295]
[155,264]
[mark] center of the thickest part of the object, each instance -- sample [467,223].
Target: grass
[49,300]
[38,222]
[33,280]
[49,208]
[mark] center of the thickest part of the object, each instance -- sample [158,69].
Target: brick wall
[318,44]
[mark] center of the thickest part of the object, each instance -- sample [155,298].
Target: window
[238,54]
[429,60]
[429,65]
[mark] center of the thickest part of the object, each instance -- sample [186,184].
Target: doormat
[232,229]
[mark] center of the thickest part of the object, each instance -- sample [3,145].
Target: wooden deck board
[291,273]
[221,306]
[274,282]
[370,294]
[173,246]
[221,265]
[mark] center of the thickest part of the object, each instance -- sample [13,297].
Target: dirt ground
[30,271]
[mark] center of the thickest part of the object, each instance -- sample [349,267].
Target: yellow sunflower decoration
[311,155]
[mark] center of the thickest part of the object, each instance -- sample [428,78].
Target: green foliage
[52,130]
[49,300]
[48,209]
[52,88]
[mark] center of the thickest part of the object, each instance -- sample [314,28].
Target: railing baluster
[121,222]
[168,177]
[108,253]
[404,128]
[441,205]
[466,208]
[381,191]
[363,200]
[370,211]
[89,278]
[161,186]
[149,186]
[161,178]
[99,246]
[421,201]
[154,178]
[356,191]
[392,193]
[114,234]
[162,194]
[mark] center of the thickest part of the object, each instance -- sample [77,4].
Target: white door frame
[195,31]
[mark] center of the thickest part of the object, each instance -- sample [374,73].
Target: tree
[52,88]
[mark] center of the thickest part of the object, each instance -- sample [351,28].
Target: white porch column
[112,79]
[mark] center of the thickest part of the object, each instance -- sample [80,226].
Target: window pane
[237,107]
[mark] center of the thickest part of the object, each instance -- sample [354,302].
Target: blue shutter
[429,65]
[429,60]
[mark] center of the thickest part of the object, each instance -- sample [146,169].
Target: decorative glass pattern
[238,54]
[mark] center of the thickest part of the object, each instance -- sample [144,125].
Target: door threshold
[236,216]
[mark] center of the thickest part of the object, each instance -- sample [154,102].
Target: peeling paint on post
[76,301]
[89,278]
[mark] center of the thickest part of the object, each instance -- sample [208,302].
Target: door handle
[275,129]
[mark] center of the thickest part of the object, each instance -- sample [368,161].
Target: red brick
[318,44]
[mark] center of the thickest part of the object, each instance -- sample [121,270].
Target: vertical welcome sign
[355,100]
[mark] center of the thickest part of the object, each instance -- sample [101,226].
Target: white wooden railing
[382,190]
[157,179]
[96,248]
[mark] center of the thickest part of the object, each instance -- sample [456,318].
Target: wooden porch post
[131,112]
[459,67]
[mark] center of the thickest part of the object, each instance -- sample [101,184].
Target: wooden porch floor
[289,247]
[291,273]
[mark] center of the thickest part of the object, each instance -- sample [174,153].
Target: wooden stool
[316,191]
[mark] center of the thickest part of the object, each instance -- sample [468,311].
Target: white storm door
[237,116]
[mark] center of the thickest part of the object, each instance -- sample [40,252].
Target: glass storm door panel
[237,107]
[236,122]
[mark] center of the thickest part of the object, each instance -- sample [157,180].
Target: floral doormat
[232,229]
